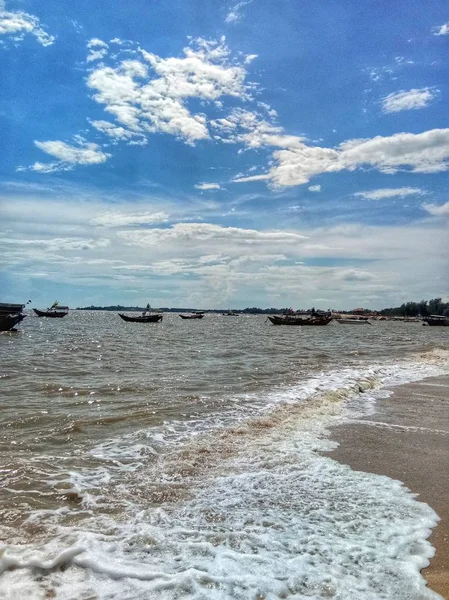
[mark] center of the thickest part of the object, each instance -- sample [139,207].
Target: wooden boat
[353,321]
[301,318]
[144,318]
[194,315]
[54,313]
[437,321]
[10,315]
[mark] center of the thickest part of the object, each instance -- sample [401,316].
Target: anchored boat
[437,321]
[193,315]
[10,315]
[353,321]
[148,316]
[303,317]
[56,311]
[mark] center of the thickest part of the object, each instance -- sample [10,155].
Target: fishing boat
[148,316]
[300,318]
[193,315]
[353,321]
[229,314]
[437,321]
[54,312]
[10,315]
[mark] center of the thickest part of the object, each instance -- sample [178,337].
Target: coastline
[407,439]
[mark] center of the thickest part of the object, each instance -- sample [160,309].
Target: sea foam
[247,509]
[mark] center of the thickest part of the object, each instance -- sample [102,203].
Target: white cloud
[208,186]
[249,58]
[68,156]
[91,243]
[441,29]
[20,23]
[408,100]
[437,210]
[194,233]
[382,193]
[98,49]
[426,152]
[234,14]
[120,219]
[148,96]
[355,275]
[314,188]
[297,163]
[58,244]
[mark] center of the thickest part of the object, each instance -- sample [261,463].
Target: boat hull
[191,316]
[8,322]
[52,314]
[437,322]
[317,322]
[146,319]
[353,321]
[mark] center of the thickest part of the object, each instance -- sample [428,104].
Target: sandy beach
[408,439]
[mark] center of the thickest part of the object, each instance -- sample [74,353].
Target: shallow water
[179,459]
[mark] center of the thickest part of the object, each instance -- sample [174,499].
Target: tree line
[423,308]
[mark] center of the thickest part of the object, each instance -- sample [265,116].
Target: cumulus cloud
[437,210]
[68,156]
[150,95]
[314,188]
[382,193]
[19,23]
[97,49]
[297,163]
[408,100]
[208,186]
[441,29]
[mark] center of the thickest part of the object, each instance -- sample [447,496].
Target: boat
[300,318]
[54,313]
[153,318]
[229,314]
[437,321]
[10,315]
[148,316]
[353,321]
[193,315]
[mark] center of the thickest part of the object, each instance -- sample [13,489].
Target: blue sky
[224,154]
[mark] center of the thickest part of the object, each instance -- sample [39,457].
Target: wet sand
[408,439]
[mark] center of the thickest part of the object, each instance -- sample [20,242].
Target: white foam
[264,516]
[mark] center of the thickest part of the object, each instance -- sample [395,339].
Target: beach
[408,439]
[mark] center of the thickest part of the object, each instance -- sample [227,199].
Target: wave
[237,505]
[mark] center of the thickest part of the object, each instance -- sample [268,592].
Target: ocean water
[182,460]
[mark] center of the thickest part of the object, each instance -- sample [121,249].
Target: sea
[183,459]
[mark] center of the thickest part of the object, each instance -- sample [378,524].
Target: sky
[224,154]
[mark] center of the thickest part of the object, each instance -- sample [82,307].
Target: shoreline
[407,439]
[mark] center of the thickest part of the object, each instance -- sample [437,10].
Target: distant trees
[424,308]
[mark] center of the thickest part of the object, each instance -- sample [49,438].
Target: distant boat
[437,321]
[54,313]
[10,315]
[353,321]
[193,315]
[154,318]
[300,318]
[148,316]
[230,314]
